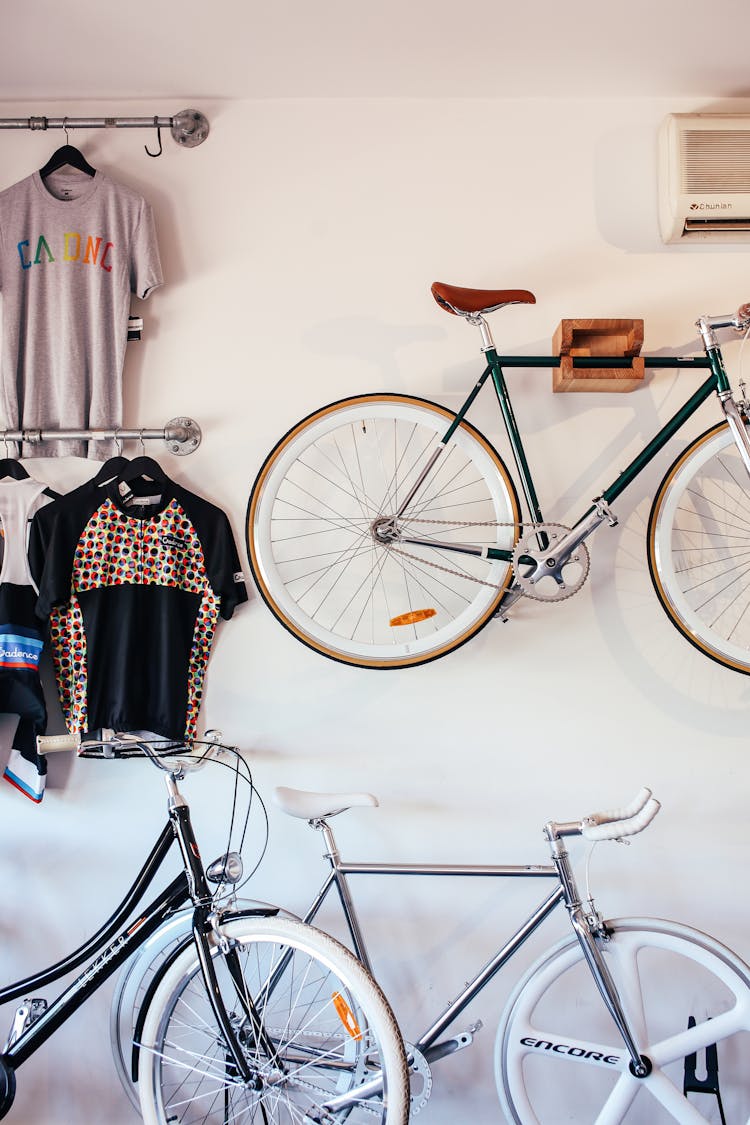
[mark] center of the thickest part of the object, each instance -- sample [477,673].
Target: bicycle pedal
[604,511]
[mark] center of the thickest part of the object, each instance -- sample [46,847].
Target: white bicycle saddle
[317,806]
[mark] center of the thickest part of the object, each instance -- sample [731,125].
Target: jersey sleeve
[220,558]
[224,570]
[145,263]
[40,535]
[53,543]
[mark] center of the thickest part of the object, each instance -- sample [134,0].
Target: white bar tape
[624,813]
[51,743]
[615,830]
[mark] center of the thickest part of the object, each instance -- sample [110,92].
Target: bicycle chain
[295,1080]
[530,527]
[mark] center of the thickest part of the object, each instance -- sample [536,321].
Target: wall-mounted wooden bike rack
[590,338]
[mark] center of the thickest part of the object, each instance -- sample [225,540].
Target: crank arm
[449,1046]
[587,526]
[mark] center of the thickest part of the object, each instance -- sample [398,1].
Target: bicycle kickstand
[708,1085]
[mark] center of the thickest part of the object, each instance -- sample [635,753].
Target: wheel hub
[643,1070]
[384,530]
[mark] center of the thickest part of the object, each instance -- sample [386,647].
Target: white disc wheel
[699,548]
[321,550]
[559,1057]
[313,1026]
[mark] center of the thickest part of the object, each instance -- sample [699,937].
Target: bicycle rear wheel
[699,548]
[315,510]
[131,988]
[327,1026]
[559,1056]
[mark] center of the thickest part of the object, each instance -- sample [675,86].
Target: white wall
[299,244]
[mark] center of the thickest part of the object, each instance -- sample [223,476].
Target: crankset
[545,567]
[420,1080]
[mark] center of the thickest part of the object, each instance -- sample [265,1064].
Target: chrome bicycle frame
[586,926]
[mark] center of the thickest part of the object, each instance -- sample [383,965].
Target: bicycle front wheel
[320,1041]
[559,1056]
[699,548]
[325,560]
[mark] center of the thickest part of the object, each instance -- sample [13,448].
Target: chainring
[538,571]
[420,1080]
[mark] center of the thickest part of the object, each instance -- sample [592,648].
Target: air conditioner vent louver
[716,160]
[704,178]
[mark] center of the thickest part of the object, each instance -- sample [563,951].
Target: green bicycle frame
[717,382]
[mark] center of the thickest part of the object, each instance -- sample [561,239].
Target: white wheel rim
[682,596]
[418,640]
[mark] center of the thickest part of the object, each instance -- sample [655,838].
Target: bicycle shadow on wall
[671,673]
[372,341]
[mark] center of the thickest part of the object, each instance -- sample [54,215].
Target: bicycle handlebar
[624,813]
[52,743]
[612,824]
[598,827]
[122,745]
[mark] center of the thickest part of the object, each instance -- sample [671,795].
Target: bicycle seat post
[331,852]
[479,322]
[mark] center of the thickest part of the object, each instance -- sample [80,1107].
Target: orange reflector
[413,617]
[346,1016]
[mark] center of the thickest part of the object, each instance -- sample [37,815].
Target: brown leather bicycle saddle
[456,300]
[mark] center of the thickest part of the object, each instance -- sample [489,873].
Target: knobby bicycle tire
[312,541]
[326,1031]
[559,1056]
[699,548]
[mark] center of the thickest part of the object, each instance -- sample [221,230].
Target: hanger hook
[157,126]
[5,442]
[118,442]
[65,129]
[140,432]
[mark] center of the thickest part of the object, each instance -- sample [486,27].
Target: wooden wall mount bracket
[590,338]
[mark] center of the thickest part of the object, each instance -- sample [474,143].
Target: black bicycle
[251,1018]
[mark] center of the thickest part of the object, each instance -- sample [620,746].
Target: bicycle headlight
[226,869]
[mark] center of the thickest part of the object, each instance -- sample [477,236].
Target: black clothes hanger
[142,467]
[110,469]
[10,467]
[67,154]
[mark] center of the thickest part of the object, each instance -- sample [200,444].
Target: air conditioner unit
[704,177]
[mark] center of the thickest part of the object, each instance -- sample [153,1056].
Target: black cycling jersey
[133,587]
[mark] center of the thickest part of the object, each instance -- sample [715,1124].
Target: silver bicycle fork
[591,931]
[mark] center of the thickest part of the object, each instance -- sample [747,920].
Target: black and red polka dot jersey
[133,589]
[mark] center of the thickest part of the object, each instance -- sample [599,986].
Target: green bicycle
[385,530]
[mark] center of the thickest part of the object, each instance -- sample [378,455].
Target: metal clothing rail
[181,435]
[189,127]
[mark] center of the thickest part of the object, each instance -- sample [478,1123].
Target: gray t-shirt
[72,250]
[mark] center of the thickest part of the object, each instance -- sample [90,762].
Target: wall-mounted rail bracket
[189,127]
[181,436]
